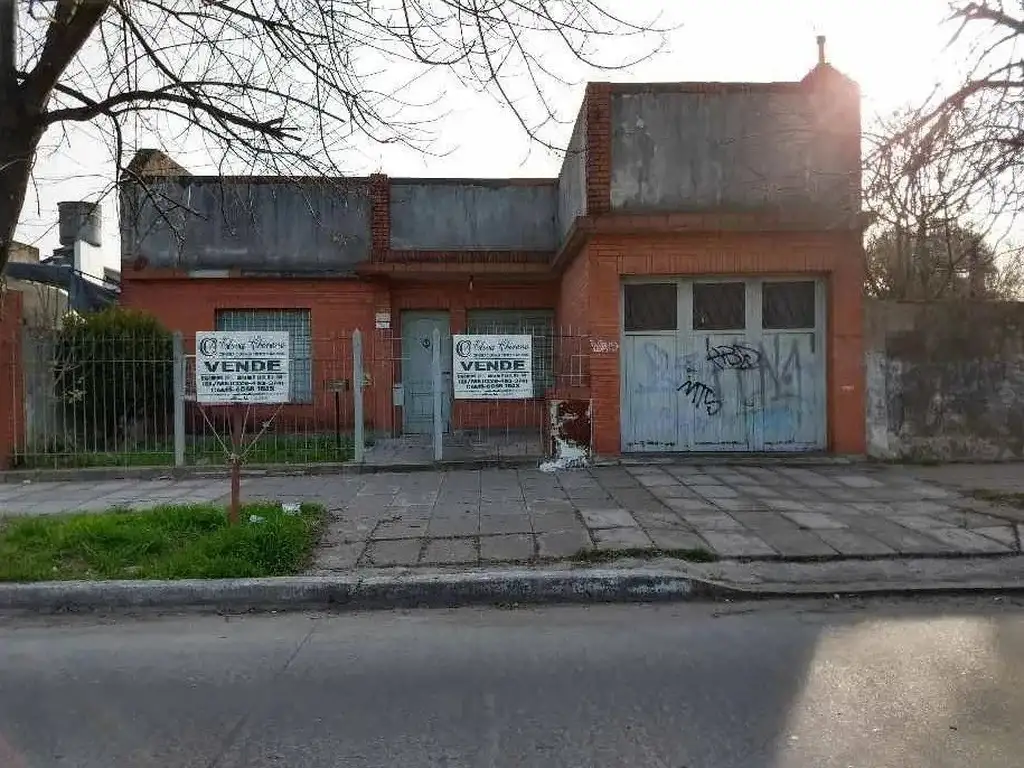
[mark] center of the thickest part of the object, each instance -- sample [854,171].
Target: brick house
[694,271]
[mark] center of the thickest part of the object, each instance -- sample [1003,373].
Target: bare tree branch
[286,86]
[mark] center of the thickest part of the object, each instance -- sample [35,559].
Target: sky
[893,48]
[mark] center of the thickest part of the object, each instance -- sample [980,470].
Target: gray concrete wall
[572,179]
[731,149]
[466,214]
[945,380]
[276,226]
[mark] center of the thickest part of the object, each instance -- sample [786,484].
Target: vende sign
[492,367]
[242,367]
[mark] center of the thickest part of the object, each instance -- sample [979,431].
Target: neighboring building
[704,240]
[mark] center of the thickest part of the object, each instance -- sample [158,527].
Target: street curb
[355,592]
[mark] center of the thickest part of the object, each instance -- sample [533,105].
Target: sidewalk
[492,517]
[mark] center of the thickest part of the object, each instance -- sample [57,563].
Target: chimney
[79,220]
[821,50]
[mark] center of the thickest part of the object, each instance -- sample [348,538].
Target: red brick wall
[837,256]
[11,376]
[337,307]
[598,106]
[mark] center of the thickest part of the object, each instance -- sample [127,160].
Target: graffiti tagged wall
[945,380]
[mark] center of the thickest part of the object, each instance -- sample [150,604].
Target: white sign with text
[242,367]
[492,367]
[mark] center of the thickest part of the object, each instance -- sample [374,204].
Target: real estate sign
[492,367]
[241,367]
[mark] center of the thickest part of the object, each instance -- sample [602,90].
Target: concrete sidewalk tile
[712,522]
[740,505]
[607,518]
[717,492]
[854,543]
[400,529]
[857,481]
[963,519]
[339,557]
[1004,534]
[466,525]
[545,506]
[490,524]
[786,505]
[398,552]
[797,543]
[737,544]
[673,492]
[555,521]
[668,538]
[967,541]
[517,546]
[765,521]
[449,551]
[621,538]
[814,520]
[918,507]
[763,492]
[922,523]
[903,540]
[562,544]
[660,519]
[689,505]
[661,479]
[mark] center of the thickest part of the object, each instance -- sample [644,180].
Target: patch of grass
[203,450]
[597,556]
[169,542]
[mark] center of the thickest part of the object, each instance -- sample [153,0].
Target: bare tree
[278,86]
[979,120]
[937,218]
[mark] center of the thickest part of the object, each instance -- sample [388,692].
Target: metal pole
[435,370]
[178,355]
[357,395]
[236,463]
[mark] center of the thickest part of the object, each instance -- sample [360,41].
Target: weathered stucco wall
[572,180]
[266,226]
[464,214]
[945,380]
[735,149]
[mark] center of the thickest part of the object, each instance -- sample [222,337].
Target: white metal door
[723,365]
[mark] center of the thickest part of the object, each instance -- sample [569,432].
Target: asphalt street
[761,685]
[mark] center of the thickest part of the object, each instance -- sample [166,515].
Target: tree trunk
[19,139]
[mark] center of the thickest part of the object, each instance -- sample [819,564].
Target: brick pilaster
[598,101]
[380,216]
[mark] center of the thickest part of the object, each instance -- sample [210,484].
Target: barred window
[300,343]
[539,323]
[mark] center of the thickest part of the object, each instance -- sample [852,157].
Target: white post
[357,395]
[178,356]
[435,370]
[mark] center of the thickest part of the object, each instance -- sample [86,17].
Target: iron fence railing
[129,400]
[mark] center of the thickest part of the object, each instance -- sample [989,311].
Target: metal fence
[121,399]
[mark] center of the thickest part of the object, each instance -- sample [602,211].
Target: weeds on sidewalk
[169,542]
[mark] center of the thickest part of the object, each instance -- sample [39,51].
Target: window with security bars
[719,306]
[540,324]
[300,342]
[787,305]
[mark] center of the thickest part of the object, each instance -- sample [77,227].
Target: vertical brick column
[598,105]
[380,216]
[603,299]
[846,409]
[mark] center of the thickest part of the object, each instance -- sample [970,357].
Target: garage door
[723,365]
